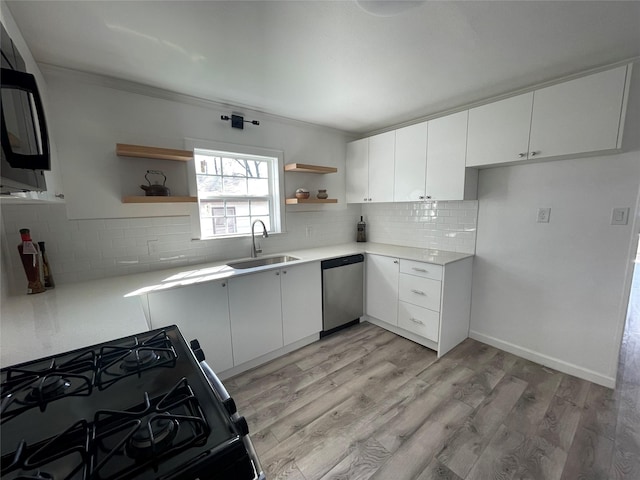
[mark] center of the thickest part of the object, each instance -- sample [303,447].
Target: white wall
[552,291]
[557,293]
[95,235]
[90,114]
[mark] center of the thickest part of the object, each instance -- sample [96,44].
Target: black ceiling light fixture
[238,121]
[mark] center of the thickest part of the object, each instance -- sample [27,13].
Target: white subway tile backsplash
[434,224]
[81,250]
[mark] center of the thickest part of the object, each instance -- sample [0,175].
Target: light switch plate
[543,215]
[620,216]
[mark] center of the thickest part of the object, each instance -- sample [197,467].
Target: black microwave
[23,132]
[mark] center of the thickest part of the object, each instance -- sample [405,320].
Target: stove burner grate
[62,457]
[129,442]
[41,382]
[116,362]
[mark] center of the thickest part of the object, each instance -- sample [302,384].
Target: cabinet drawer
[427,270]
[423,292]
[421,321]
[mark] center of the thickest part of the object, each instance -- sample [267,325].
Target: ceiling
[333,63]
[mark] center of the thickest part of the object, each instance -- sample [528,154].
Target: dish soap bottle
[362,231]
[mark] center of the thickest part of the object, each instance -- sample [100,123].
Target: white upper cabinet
[357,171]
[410,163]
[381,167]
[447,177]
[576,117]
[499,131]
[370,168]
[583,115]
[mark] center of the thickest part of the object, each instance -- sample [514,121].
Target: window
[235,189]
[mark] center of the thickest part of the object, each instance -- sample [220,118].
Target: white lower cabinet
[382,288]
[421,321]
[301,301]
[245,317]
[256,315]
[201,312]
[273,309]
[429,304]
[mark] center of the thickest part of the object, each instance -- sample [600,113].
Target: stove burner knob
[230,406]
[241,426]
[197,351]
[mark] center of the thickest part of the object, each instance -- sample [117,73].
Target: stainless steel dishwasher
[342,295]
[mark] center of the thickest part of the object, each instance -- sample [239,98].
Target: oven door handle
[226,399]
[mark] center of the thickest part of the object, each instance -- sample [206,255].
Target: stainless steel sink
[261,262]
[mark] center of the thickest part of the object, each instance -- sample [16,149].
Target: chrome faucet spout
[255,251]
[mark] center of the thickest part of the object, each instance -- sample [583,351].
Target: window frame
[276,185]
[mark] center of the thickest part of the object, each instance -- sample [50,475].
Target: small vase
[322,194]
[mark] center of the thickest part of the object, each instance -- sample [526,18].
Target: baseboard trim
[545,360]
[267,357]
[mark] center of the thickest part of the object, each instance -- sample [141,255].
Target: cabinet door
[410,163]
[446,153]
[499,131]
[381,166]
[582,115]
[301,301]
[256,315]
[382,288]
[357,171]
[201,311]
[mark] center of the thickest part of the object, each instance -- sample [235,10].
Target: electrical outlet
[152,246]
[620,216]
[543,215]
[309,231]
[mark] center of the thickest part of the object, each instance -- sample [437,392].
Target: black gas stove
[140,407]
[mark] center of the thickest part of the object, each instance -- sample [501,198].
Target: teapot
[155,190]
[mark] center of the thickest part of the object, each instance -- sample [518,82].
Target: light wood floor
[366,403]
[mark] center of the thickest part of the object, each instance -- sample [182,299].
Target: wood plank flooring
[367,404]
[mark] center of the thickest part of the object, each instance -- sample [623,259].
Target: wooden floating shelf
[299,201]
[305,168]
[156,199]
[139,151]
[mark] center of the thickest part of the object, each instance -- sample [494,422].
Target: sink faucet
[255,251]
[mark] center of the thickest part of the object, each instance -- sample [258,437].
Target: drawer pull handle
[418,292]
[423,270]
[415,320]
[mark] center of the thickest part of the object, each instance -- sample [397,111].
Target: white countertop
[80,314]
[181,276]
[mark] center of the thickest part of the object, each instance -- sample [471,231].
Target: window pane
[265,220]
[263,169]
[256,169]
[238,208]
[258,186]
[234,186]
[244,225]
[259,207]
[208,184]
[208,165]
[234,167]
[206,227]
[233,192]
